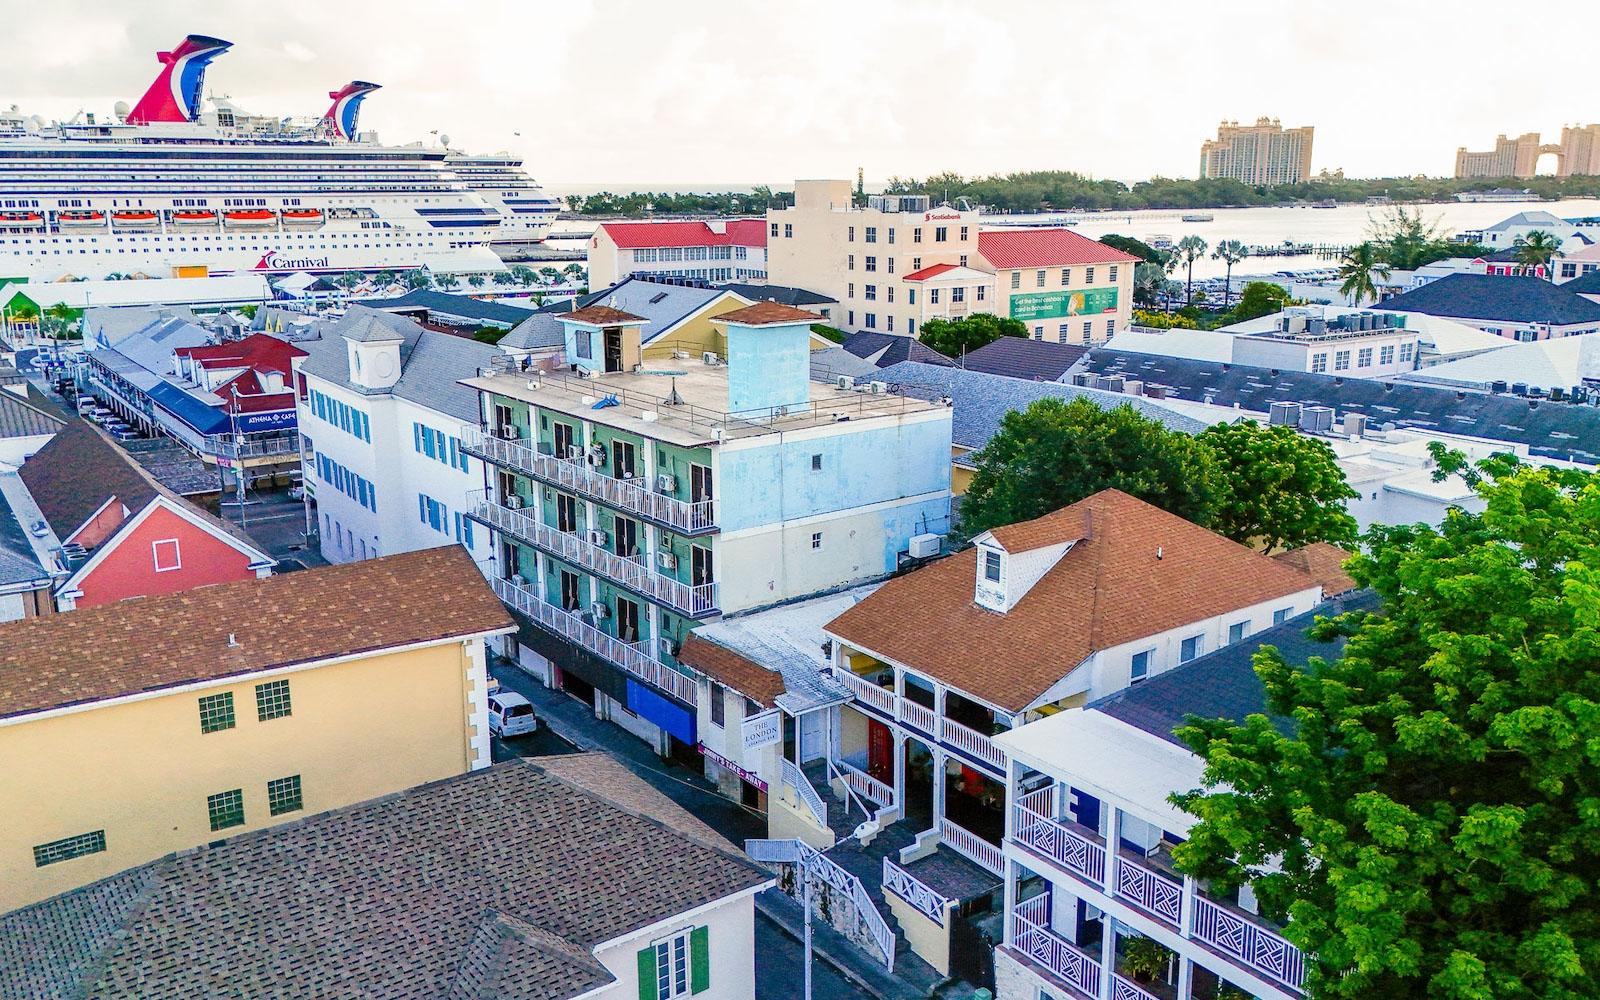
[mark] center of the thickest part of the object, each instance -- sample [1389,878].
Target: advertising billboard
[1065,302]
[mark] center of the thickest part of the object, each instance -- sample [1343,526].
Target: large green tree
[1359,271]
[1277,488]
[1259,298]
[1537,249]
[1430,829]
[955,337]
[1057,452]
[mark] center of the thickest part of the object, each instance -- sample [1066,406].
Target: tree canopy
[955,337]
[1430,827]
[1277,487]
[1258,298]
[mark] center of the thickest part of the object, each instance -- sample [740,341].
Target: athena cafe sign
[762,730]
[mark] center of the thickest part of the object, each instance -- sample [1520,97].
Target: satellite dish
[120,109]
[444,140]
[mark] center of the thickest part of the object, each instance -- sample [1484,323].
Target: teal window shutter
[647,974]
[699,960]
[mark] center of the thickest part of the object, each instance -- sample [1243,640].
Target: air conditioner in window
[508,433]
[666,482]
[574,452]
[711,358]
[599,610]
[596,536]
[597,455]
[667,559]
[513,502]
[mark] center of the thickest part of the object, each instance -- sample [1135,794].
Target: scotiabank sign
[940,216]
[272,261]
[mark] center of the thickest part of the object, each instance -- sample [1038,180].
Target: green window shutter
[647,974]
[699,960]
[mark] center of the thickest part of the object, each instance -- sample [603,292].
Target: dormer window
[990,592]
[991,566]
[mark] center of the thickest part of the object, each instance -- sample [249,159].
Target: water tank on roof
[1498,385]
[1316,419]
[1519,388]
[1284,413]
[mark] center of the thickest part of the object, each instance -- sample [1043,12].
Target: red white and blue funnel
[175,96]
[346,106]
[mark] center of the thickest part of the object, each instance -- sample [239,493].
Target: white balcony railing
[1076,848]
[634,496]
[972,847]
[916,893]
[630,656]
[1123,988]
[632,572]
[924,719]
[1152,892]
[865,785]
[1031,935]
[1248,943]
[797,780]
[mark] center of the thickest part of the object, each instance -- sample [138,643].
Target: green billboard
[1052,305]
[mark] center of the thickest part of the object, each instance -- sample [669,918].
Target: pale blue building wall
[768,366]
[595,341]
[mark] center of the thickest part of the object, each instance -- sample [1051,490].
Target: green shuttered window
[677,966]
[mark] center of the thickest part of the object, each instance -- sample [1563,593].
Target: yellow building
[1065,287]
[131,730]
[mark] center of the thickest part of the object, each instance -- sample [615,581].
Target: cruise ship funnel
[175,94]
[347,105]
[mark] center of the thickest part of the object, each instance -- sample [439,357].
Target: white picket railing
[923,718]
[808,859]
[1248,943]
[920,716]
[972,847]
[1151,891]
[796,779]
[632,495]
[1031,935]
[916,893]
[630,656]
[1075,848]
[865,785]
[973,742]
[1123,988]
[866,692]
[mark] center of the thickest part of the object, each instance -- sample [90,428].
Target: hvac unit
[1083,380]
[1110,383]
[546,448]
[1316,419]
[1287,414]
[924,546]
[574,452]
[1519,388]
[508,433]
[711,358]
[1155,392]
[1355,424]
[845,382]
[667,560]
[513,502]
[878,388]
[596,536]
[599,610]
[1133,387]
[666,482]
[597,454]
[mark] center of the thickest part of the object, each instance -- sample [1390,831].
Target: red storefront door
[880,752]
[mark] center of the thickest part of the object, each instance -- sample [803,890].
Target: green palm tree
[447,281]
[504,278]
[1190,249]
[418,278]
[550,275]
[1230,252]
[1357,269]
[475,280]
[1537,249]
[383,279]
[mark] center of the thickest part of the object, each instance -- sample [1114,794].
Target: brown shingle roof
[599,315]
[732,669]
[766,313]
[423,894]
[1325,564]
[77,472]
[1109,588]
[149,643]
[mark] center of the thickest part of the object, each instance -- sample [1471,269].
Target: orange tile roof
[767,314]
[1325,563]
[1045,248]
[732,670]
[150,643]
[1110,588]
[599,315]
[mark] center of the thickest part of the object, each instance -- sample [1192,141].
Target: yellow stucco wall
[930,941]
[697,334]
[789,821]
[960,479]
[141,770]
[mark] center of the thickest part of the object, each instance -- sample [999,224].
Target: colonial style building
[717,250]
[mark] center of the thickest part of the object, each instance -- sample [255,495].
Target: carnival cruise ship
[526,212]
[178,185]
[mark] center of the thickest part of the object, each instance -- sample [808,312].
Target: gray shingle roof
[430,370]
[980,400]
[371,326]
[1509,299]
[1588,284]
[464,306]
[1556,430]
[20,418]
[20,561]
[542,329]
[1021,357]
[1223,684]
[885,349]
[786,294]
[423,894]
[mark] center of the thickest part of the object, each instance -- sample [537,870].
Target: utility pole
[805,892]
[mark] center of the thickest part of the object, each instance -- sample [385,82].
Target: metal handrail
[796,779]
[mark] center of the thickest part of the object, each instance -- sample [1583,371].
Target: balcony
[1236,935]
[634,658]
[632,572]
[1031,935]
[633,496]
[923,719]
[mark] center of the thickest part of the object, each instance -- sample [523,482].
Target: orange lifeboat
[249,217]
[194,217]
[21,218]
[302,217]
[137,217]
[81,218]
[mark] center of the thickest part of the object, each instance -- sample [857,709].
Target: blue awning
[207,420]
[662,711]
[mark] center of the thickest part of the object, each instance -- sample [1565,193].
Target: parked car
[510,714]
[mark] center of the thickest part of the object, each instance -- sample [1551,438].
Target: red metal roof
[1045,248]
[931,271]
[259,352]
[739,232]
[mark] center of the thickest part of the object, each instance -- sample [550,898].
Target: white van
[510,714]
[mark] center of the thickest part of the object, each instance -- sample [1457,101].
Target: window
[816,539]
[788,231]
[566,513]
[585,345]
[679,966]
[1112,277]
[774,229]
[889,261]
[958,294]
[981,290]
[963,232]
[1038,279]
[916,264]
[1111,327]
[911,296]
[933,296]
[940,234]
[871,292]
[991,565]
[916,234]
[1319,362]
[1189,648]
[872,263]
[1341,361]
[851,235]
[1088,330]
[850,262]
[1141,666]
[1386,354]
[891,234]
[166,554]
[226,809]
[1237,631]
[872,321]
[272,700]
[1038,331]
[68,848]
[719,706]
[1364,358]
[872,235]
[1405,351]
[816,463]
[283,795]
[1281,615]
[1016,279]
[1088,276]
[852,291]
[890,290]
[216,712]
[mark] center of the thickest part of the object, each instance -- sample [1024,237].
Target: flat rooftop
[684,402]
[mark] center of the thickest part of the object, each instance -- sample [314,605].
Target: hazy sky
[679,92]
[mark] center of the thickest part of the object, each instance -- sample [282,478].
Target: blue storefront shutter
[661,710]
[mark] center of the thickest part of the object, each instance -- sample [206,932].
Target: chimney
[1088,523]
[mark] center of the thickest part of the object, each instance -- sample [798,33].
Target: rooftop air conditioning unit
[513,502]
[1355,425]
[596,536]
[878,388]
[599,610]
[666,559]
[711,358]
[845,382]
[1083,380]
[924,546]
[1317,419]
[666,482]
[1110,383]
[1155,391]
[1283,413]
[1133,387]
